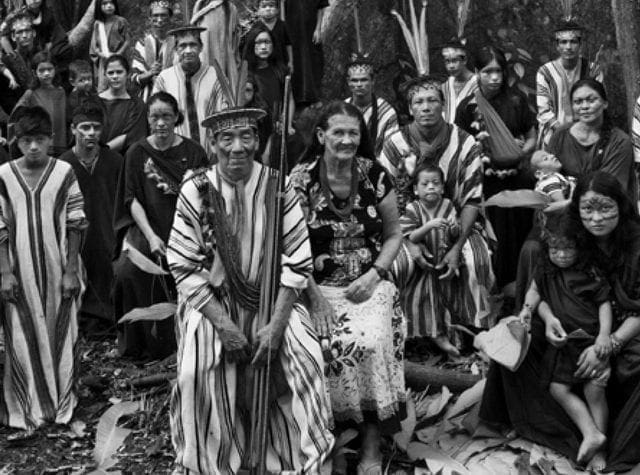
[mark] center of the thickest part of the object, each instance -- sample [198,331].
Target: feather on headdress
[464,6]
[359,60]
[416,36]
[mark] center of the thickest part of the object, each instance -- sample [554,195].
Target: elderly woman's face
[342,137]
[588,106]
[599,213]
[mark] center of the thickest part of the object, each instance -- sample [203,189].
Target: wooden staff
[356,20]
[257,448]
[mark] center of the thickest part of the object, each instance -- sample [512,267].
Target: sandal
[371,468]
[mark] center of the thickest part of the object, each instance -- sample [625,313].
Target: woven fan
[464,6]
[416,36]
[567,7]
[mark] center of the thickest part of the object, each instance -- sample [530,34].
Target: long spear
[268,293]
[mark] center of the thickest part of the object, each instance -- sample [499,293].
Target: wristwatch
[382,272]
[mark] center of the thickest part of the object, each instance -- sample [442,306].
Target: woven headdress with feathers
[416,36]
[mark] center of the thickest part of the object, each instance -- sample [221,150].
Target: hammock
[504,150]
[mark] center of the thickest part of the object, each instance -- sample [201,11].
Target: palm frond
[416,36]
[567,7]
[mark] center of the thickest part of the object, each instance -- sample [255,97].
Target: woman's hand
[554,332]
[9,287]
[323,315]
[452,261]
[589,365]
[70,285]
[157,246]
[363,287]
[525,317]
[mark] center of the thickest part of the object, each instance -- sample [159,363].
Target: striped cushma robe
[451,100]
[206,420]
[40,328]
[553,85]
[635,133]
[207,96]
[387,121]
[146,52]
[428,301]
[460,161]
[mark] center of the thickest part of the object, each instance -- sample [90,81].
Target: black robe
[98,188]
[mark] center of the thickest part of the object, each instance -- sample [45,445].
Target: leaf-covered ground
[441,434]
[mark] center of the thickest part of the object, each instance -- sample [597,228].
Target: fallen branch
[153,380]
[419,376]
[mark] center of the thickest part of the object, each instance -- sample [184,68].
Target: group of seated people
[158,194]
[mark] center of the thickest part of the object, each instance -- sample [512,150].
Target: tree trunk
[626,17]
[80,33]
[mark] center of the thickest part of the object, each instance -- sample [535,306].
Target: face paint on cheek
[606,207]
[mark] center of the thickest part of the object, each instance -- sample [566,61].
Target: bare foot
[590,446]
[445,345]
[598,462]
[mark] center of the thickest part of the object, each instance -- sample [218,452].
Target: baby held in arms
[550,181]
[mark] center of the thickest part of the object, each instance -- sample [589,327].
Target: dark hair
[78,67]
[31,121]
[98,15]
[333,108]
[117,58]
[38,58]
[167,98]
[486,55]
[89,109]
[607,125]
[429,168]
[409,88]
[249,52]
[627,233]
[19,15]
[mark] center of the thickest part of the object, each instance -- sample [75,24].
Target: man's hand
[415,251]
[9,287]
[267,344]
[156,68]
[452,261]
[235,344]
[324,316]
[70,285]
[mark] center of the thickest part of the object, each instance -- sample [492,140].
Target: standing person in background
[304,25]
[461,83]
[555,79]
[156,51]
[194,84]
[47,94]
[125,122]
[97,169]
[111,35]
[221,38]
[81,79]
[268,11]
[41,226]
[44,24]
[379,115]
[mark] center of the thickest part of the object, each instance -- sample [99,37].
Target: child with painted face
[45,93]
[431,222]
[573,301]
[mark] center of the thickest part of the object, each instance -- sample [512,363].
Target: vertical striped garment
[635,132]
[206,419]
[207,95]
[553,85]
[146,52]
[387,121]
[460,161]
[40,328]
[453,100]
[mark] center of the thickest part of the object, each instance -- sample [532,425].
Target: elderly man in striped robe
[216,253]
[429,139]
[155,51]
[555,79]
[194,84]
[379,115]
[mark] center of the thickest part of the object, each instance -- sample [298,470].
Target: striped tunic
[206,424]
[146,52]
[635,132]
[451,100]
[387,122]
[460,161]
[553,84]
[207,95]
[40,328]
